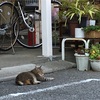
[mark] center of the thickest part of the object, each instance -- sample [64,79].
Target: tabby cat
[34,76]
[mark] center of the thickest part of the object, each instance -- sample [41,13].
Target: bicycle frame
[22,14]
[31,15]
[25,18]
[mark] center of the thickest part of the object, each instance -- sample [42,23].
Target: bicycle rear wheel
[8,17]
[26,38]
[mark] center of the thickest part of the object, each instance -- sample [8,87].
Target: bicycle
[24,41]
[7,21]
[22,16]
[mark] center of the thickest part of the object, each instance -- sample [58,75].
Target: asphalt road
[69,84]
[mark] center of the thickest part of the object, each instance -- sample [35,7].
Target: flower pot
[92,34]
[82,62]
[92,22]
[95,65]
[79,33]
[72,26]
[83,22]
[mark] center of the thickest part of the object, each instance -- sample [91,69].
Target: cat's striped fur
[34,76]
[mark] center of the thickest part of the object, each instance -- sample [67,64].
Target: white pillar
[46,28]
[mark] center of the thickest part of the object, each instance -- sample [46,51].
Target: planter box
[82,62]
[92,34]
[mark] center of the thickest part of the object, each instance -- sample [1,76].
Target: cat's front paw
[50,78]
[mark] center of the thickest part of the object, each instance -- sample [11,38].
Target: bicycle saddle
[31,6]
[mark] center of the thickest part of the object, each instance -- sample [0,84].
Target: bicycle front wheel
[26,38]
[8,16]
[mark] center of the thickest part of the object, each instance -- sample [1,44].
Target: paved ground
[75,85]
[25,59]
[69,84]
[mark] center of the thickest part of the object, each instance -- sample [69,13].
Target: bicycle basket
[31,4]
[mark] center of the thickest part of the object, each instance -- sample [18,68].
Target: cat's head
[38,71]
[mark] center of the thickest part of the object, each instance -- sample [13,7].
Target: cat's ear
[35,67]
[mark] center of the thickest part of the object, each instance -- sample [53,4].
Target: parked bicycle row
[17,23]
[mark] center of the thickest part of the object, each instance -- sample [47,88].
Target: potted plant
[78,8]
[97,15]
[74,10]
[94,57]
[82,59]
[92,31]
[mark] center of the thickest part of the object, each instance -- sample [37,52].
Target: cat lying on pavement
[32,77]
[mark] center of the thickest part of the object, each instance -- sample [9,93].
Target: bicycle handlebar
[56,1]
